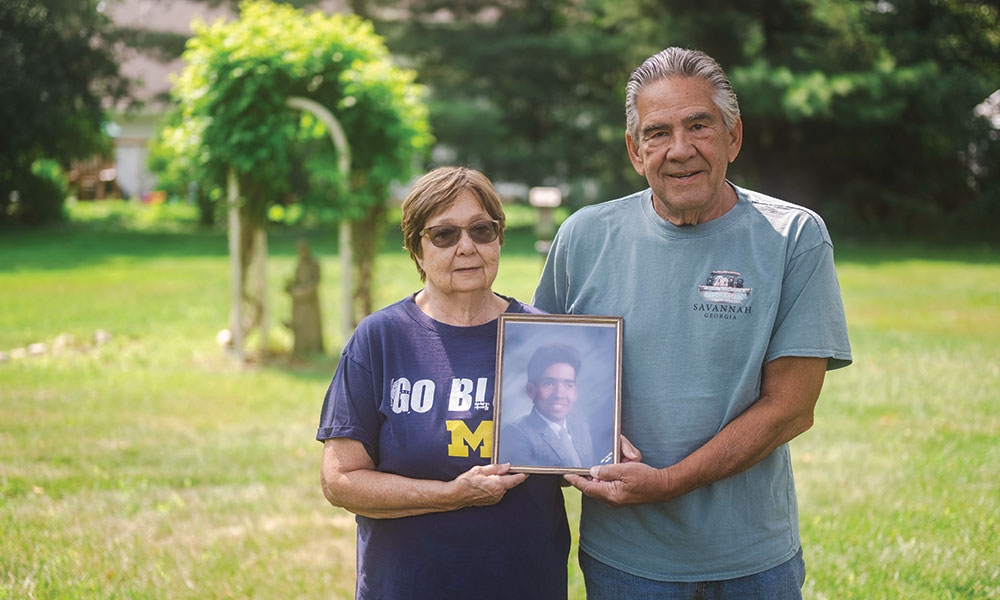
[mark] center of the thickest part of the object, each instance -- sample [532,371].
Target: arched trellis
[346,268]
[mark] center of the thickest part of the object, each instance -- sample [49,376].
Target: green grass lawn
[153,466]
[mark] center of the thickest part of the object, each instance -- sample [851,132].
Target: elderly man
[732,316]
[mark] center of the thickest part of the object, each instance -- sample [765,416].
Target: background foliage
[529,92]
[231,97]
[865,111]
[232,114]
[58,71]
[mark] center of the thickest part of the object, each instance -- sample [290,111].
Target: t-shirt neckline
[702,229]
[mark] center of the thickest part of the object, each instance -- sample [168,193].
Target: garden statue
[306,323]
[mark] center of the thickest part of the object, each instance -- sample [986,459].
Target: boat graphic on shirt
[724,287]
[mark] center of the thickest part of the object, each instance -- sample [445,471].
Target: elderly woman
[407,422]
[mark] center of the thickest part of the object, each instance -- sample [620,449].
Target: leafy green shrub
[35,198]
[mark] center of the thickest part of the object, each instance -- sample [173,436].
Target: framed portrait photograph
[557,404]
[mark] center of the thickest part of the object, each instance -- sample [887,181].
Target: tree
[232,100]
[867,110]
[864,110]
[527,91]
[57,66]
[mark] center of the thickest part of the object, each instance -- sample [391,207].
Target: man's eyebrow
[705,116]
[653,128]
[699,116]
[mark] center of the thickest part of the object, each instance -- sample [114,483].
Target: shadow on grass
[76,244]
[881,252]
[88,243]
[71,245]
[318,370]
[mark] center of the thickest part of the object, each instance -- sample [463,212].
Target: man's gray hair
[680,62]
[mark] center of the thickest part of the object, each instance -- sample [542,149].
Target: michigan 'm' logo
[462,438]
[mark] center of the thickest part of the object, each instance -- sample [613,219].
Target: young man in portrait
[547,436]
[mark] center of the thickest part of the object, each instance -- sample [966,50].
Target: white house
[134,129]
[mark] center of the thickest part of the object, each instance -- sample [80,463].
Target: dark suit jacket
[529,441]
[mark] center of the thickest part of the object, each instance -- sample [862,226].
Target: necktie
[572,458]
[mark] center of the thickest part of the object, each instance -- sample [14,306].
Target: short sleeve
[810,320]
[350,408]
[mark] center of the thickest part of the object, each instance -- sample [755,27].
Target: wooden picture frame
[555,371]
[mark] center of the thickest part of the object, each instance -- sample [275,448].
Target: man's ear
[532,389]
[635,155]
[735,140]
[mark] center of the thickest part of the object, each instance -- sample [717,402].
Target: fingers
[600,490]
[616,485]
[501,473]
[629,452]
[485,485]
[586,484]
[514,479]
[492,469]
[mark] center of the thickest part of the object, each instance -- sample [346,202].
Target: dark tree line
[58,69]
[864,110]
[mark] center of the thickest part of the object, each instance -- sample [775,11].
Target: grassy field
[151,465]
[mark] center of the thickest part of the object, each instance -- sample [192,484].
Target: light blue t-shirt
[704,307]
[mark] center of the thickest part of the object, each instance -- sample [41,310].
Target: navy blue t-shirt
[419,395]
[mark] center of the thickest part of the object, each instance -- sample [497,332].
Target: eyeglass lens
[445,236]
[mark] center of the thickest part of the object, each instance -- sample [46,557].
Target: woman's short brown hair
[436,192]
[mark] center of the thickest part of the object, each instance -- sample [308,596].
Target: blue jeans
[783,582]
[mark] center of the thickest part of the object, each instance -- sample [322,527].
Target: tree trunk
[366,237]
[253,271]
[248,273]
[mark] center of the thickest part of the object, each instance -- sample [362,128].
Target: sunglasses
[446,236]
